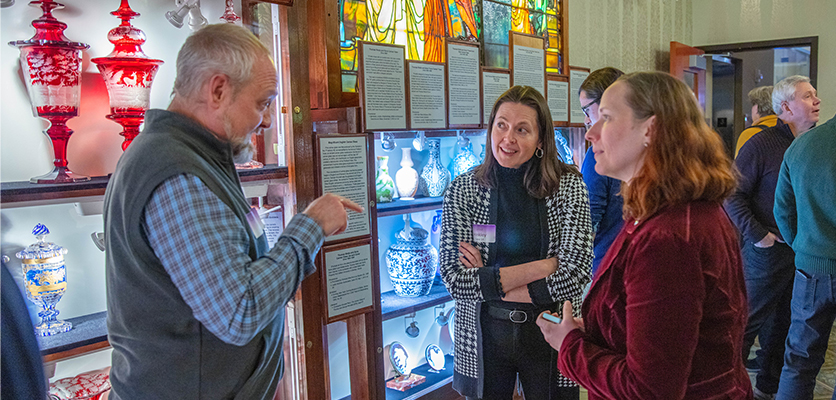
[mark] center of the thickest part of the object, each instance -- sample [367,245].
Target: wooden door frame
[812,41]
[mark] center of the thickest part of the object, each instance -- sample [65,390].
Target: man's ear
[785,106]
[219,89]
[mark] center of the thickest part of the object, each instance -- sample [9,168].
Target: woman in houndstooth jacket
[516,240]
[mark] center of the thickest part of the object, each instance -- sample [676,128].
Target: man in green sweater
[805,212]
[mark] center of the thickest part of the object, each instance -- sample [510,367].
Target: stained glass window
[422,25]
[533,17]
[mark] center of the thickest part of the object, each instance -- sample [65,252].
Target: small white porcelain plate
[398,356]
[435,357]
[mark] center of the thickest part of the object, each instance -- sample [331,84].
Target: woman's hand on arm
[470,256]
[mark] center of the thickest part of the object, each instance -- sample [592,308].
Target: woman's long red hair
[685,160]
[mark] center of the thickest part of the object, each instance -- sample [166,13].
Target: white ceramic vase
[406,179]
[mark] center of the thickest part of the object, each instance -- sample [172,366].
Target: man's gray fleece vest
[160,351]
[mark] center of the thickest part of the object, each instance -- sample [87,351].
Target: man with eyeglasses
[604,201]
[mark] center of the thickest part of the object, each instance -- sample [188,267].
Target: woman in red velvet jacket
[664,318]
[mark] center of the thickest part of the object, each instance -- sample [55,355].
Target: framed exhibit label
[427,95]
[343,171]
[383,86]
[576,77]
[348,280]
[527,59]
[495,82]
[558,99]
[463,63]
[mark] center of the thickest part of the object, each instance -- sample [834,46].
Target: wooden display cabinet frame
[313,86]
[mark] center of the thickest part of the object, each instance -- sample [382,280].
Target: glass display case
[73,211]
[345,356]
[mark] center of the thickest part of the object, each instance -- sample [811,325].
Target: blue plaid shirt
[204,247]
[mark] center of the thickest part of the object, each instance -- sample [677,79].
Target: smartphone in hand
[552,318]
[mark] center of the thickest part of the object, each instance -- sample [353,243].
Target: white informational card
[576,78]
[384,87]
[427,106]
[273,227]
[494,84]
[559,100]
[529,68]
[343,167]
[463,81]
[348,274]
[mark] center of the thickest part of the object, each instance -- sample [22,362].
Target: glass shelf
[89,334]
[24,191]
[435,381]
[400,207]
[393,306]
[432,133]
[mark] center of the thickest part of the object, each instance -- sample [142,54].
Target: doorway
[737,68]
[727,99]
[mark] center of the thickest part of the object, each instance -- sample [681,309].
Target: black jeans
[769,274]
[509,349]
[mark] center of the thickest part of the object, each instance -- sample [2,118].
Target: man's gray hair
[784,91]
[217,49]
[762,97]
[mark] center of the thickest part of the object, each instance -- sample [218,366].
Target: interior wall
[630,35]
[733,21]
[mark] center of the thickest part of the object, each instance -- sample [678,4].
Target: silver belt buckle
[517,313]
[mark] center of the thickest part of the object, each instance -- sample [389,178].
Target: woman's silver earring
[645,144]
[538,152]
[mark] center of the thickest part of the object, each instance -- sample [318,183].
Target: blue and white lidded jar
[411,261]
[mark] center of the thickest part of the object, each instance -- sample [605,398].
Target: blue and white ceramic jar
[434,177]
[411,261]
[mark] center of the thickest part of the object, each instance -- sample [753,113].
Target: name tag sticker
[484,233]
[255,223]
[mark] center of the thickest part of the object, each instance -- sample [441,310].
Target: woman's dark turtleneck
[518,231]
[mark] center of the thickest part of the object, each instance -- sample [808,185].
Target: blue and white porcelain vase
[434,177]
[383,184]
[45,279]
[465,159]
[435,240]
[411,261]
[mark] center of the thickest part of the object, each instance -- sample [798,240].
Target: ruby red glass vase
[229,13]
[128,74]
[51,67]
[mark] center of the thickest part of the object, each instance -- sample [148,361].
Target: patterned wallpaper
[632,35]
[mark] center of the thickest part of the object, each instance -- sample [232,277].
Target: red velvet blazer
[665,316]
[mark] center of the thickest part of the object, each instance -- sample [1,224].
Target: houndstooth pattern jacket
[570,241]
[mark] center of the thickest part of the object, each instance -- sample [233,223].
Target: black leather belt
[514,315]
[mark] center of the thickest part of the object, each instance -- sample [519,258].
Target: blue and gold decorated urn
[45,279]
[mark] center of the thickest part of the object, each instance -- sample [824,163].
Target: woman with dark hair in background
[515,241]
[664,317]
[604,201]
